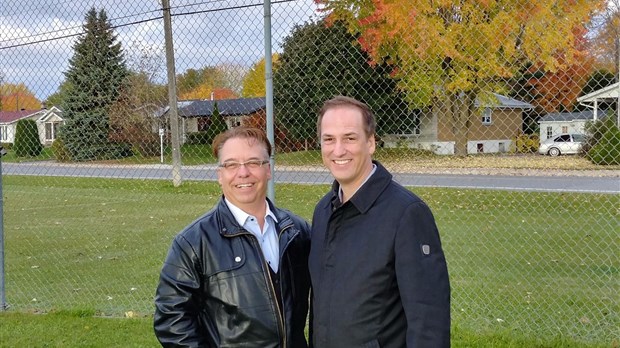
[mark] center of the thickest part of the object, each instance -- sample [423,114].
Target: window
[480,147]
[549,132]
[51,129]
[486,116]
[564,129]
[4,134]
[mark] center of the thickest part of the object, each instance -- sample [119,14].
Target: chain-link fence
[503,116]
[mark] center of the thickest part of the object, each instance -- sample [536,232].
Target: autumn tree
[15,97]
[199,84]
[605,43]
[96,79]
[449,54]
[554,91]
[254,80]
[131,117]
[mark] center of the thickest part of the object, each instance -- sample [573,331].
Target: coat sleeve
[176,318]
[422,278]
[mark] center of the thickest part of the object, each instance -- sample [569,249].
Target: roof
[226,107]
[505,102]
[49,113]
[571,116]
[13,116]
[609,92]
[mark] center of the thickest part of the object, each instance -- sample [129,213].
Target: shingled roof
[226,107]
[570,116]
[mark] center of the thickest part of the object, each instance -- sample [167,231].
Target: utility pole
[173,112]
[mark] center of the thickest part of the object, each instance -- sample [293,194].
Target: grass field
[527,269]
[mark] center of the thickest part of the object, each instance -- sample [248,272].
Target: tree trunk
[461,108]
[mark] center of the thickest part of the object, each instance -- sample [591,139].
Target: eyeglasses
[252,164]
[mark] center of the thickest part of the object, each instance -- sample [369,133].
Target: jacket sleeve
[177,301]
[422,277]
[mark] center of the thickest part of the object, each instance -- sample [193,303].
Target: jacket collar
[229,226]
[366,195]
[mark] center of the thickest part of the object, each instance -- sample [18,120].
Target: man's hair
[240,132]
[341,101]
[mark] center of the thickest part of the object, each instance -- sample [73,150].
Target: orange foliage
[18,97]
[557,91]
[207,92]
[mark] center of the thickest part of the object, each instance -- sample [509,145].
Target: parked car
[562,144]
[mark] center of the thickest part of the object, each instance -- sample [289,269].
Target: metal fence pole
[3,304]
[269,95]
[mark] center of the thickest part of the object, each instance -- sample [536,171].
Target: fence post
[173,113]
[3,304]
[269,96]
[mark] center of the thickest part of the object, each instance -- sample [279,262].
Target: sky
[37,36]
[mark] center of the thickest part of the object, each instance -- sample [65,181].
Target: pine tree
[96,78]
[217,124]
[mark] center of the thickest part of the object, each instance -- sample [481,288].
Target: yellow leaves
[254,80]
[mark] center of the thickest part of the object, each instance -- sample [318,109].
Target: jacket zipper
[267,275]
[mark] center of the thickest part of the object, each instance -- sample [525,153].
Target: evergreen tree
[217,124]
[27,141]
[319,62]
[96,78]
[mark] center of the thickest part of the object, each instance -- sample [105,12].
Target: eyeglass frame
[234,165]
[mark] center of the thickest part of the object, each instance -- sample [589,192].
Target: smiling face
[345,147]
[244,187]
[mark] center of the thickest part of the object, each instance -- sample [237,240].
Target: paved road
[565,183]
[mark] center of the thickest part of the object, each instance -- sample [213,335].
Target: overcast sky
[37,36]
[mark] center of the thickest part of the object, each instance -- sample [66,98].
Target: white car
[562,144]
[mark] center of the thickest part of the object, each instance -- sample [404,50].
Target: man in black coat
[378,271]
[238,275]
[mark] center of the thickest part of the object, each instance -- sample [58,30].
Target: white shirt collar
[241,216]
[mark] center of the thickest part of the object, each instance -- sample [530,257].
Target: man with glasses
[238,275]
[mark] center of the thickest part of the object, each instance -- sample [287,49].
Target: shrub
[526,143]
[607,149]
[60,151]
[594,132]
[27,141]
[198,138]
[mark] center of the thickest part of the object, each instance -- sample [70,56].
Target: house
[608,95]
[47,120]
[566,122]
[492,129]
[194,114]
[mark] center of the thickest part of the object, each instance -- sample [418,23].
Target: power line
[130,23]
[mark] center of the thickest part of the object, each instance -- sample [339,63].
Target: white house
[607,94]
[492,128]
[565,122]
[47,120]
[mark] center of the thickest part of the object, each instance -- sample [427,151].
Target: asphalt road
[541,183]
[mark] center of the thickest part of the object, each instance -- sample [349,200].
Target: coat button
[237,259]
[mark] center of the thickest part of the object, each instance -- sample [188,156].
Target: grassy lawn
[527,269]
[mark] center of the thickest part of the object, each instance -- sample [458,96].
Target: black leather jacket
[215,289]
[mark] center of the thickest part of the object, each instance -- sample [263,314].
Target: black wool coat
[378,271]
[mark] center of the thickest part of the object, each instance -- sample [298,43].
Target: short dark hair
[338,101]
[240,132]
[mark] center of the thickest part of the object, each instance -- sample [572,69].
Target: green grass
[527,269]
[84,329]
